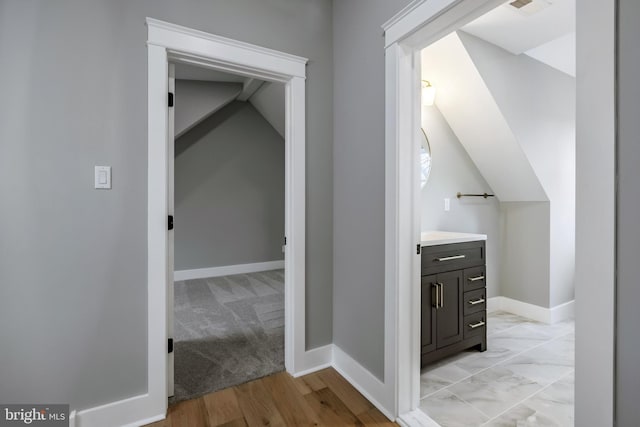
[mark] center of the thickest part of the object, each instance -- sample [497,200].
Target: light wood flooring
[322,398]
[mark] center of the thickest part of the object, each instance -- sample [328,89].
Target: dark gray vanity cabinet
[453,299]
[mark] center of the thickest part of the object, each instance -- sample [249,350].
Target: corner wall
[628,231]
[359,181]
[538,103]
[596,215]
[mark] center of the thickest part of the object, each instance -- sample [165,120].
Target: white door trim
[415,27]
[169,42]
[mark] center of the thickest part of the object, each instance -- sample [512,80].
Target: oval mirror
[425,159]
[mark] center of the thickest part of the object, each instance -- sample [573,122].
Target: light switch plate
[103,177]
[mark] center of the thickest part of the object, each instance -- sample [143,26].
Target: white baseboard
[202,273]
[493,304]
[364,381]
[416,418]
[563,311]
[126,413]
[530,311]
[315,360]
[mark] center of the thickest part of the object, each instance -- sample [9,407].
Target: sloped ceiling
[215,89]
[470,109]
[196,100]
[542,29]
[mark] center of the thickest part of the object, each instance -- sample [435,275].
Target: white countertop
[432,238]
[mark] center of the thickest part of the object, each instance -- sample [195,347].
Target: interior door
[170,210]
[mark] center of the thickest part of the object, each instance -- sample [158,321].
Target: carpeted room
[229,227]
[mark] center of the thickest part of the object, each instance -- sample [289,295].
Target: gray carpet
[228,330]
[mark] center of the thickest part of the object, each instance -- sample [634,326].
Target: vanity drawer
[474,301]
[454,256]
[475,324]
[474,278]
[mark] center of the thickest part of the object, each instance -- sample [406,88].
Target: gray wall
[628,230]
[358,170]
[229,190]
[453,171]
[595,212]
[524,265]
[195,100]
[73,284]
[538,103]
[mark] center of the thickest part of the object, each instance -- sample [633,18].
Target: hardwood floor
[323,398]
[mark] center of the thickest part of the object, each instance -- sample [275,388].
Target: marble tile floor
[524,379]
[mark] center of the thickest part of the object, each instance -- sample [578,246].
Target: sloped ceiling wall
[471,111]
[538,104]
[196,100]
[269,101]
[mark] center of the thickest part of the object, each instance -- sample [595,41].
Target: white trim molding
[418,25]
[227,270]
[173,43]
[134,411]
[364,381]
[416,418]
[531,311]
[316,359]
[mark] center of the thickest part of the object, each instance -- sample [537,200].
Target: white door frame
[421,23]
[169,42]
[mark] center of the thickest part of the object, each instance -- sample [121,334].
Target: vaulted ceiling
[542,29]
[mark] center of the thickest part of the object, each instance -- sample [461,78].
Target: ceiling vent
[528,7]
[520,3]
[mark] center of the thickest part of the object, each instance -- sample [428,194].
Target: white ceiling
[543,29]
[559,53]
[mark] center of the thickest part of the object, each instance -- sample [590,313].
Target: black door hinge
[285,240]
[170,345]
[170,99]
[170,222]
[418,249]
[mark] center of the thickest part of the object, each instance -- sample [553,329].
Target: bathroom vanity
[453,288]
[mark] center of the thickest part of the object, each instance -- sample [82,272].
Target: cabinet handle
[477,301]
[438,294]
[476,325]
[450,258]
[441,295]
[475,279]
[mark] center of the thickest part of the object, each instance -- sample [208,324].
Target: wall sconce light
[428,93]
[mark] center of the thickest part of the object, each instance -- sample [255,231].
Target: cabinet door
[449,316]
[428,315]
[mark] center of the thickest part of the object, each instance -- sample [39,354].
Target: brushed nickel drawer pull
[476,325]
[478,301]
[475,279]
[439,294]
[450,258]
[436,296]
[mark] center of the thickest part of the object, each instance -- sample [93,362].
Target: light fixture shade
[428,94]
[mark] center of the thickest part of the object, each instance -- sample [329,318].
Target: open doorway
[228,198]
[405,36]
[502,140]
[169,43]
